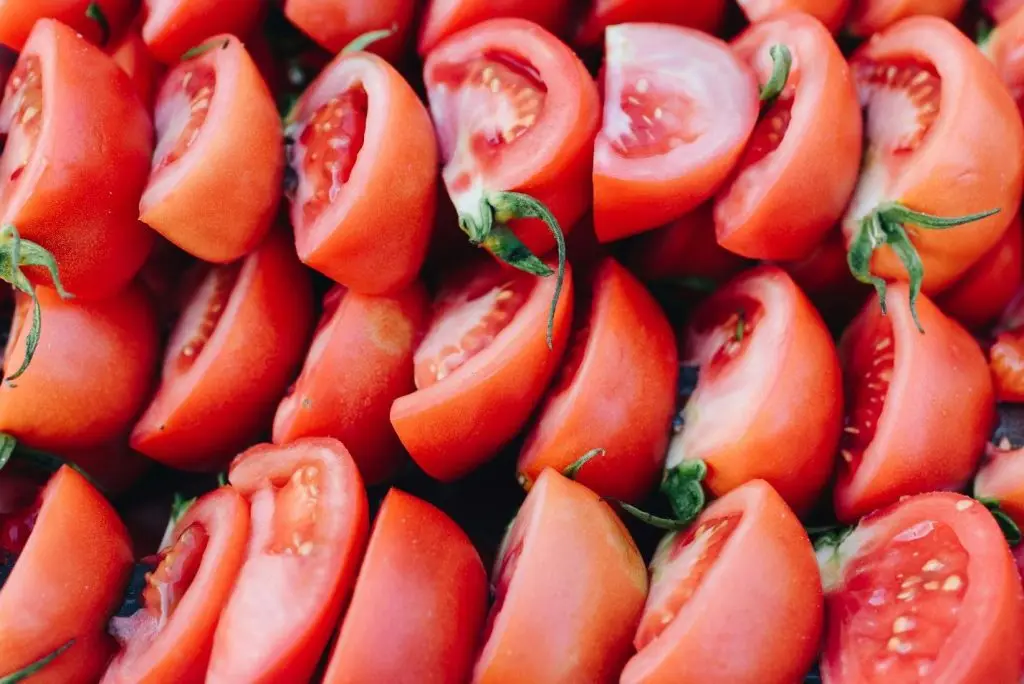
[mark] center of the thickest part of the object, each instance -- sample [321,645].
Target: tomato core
[21,117]
[204,312]
[186,115]
[902,100]
[295,514]
[868,385]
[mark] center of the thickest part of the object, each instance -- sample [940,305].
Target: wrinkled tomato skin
[131,54]
[335,23]
[201,416]
[1004,49]
[65,584]
[831,13]
[573,586]
[760,601]
[1001,477]
[868,17]
[88,105]
[444,18]
[624,407]
[360,361]
[419,603]
[173,27]
[706,16]
[373,236]
[952,409]
[17,17]
[217,201]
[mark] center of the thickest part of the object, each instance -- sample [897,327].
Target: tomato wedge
[1003,47]
[419,604]
[309,525]
[168,637]
[481,368]
[742,580]
[131,54]
[443,18]
[923,591]
[229,360]
[1001,480]
[831,13]
[364,163]
[18,17]
[706,16]
[569,587]
[173,27]
[664,146]
[868,17]
[336,23]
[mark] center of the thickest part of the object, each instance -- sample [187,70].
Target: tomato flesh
[903,102]
[21,117]
[653,116]
[180,118]
[199,320]
[768,133]
[868,381]
[724,333]
[295,511]
[1006,358]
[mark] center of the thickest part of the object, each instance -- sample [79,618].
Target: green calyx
[360,43]
[782,62]
[573,469]
[29,670]
[886,225]
[95,12]
[683,488]
[1010,529]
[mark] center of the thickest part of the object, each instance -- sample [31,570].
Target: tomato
[764,356]
[868,17]
[1001,10]
[825,272]
[742,580]
[706,16]
[911,78]
[481,368]
[831,13]
[217,169]
[1006,359]
[18,17]
[309,526]
[364,159]
[336,23]
[807,144]
[71,559]
[131,54]
[1001,478]
[360,361]
[923,591]
[664,147]
[569,587]
[896,377]
[443,18]
[64,102]
[419,603]
[168,638]
[229,359]
[172,27]
[616,391]
[1003,47]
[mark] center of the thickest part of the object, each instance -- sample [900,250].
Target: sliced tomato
[481,368]
[336,23]
[419,603]
[131,54]
[1001,10]
[173,27]
[831,13]
[18,17]
[309,526]
[443,18]
[569,587]
[1004,47]
[923,591]
[1001,479]
[825,273]
[229,359]
[868,17]
[665,145]
[364,159]
[1006,359]
[706,16]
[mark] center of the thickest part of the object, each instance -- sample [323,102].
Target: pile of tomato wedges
[512,342]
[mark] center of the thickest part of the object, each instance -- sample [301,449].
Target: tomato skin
[17,17]
[131,54]
[202,415]
[172,27]
[1001,477]
[705,16]
[1001,10]
[1006,359]
[868,17]
[65,584]
[1003,47]
[952,406]
[825,272]
[831,13]
[575,594]
[623,407]
[335,23]
[373,237]
[64,176]
[419,603]
[360,361]
[818,155]
[444,18]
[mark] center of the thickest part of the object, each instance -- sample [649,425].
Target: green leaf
[683,487]
[222,479]
[203,48]
[360,43]
[29,670]
[573,469]
[95,12]
[782,61]
[905,250]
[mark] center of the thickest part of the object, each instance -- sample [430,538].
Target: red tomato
[364,157]
[825,271]
[1001,10]
[360,361]
[18,17]
[77,151]
[1006,359]
[764,356]
[1001,477]
[616,391]
[309,527]
[419,603]
[168,638]
[132,55]
[229,360]
[829,12]
[71,557]
[173,27]
[705,15]
[216,176]
[741,580]
[868,17]
[569,587]
[336,23]
[1004,47]
[807,143]
[896,377]
[923,591]
[481,368]
[443,18]
[664,145]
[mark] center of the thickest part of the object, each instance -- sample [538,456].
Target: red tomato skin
[825,272]
[419,603]
[173,27]
[131,54]
[65,584]
[444,18]
[64,176]
[623,407]
[1001,477]
[17,17]
[1001,10]
[362,363]
[335,23]
[705,16]
[831,13]
[868,17]
[1003,47]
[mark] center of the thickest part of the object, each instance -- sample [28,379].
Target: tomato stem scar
[782,62]
[38,665]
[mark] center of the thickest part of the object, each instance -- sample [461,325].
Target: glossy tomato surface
[173,27]
[1001,479]
[868,17]
[706,16]
[336,23]
[443,18]
[18,17]
[831,13]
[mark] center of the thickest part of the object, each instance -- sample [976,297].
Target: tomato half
[569,587]
[216,177]
[419,604]
[807,144]
[364,162]
[18,17]
[481,368]
[742,580]
[764,356]
[1001,478]
[309,525]
[71,559]
[131,54]
[169,637]
[831,13]
[173,27]
[664,146]
[868,17]
[896,377]
[923,591]
[1004,47]
[359,362]
[444,18]
[336,23]
[616,390]
[229,360]
[706,16]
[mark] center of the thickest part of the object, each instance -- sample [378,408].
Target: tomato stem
[683,487]
[741,326]
[95,12]
[203,48]
[573,469]
[29,670]
[658,522]
[782,62]
[1010,529]
[360,43]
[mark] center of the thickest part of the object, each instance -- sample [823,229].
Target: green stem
[29,670]
[683,486]
[782,61]
[95,12]
[573,469]
[360,43]
[203,48]
[652,520]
